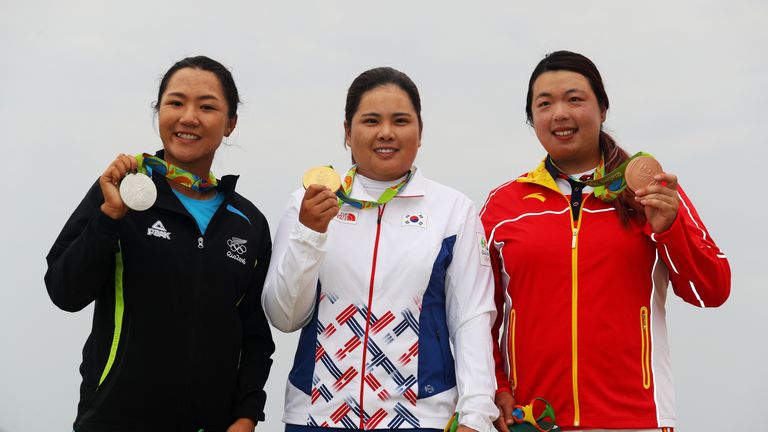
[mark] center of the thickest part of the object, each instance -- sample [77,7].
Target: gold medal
[640,172]
[324,176]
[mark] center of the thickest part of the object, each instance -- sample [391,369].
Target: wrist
[113,212]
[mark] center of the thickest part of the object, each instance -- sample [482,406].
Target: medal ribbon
[607,186]
[539,413]
[346,188]
[172,172]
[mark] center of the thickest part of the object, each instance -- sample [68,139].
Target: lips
[187,136]
[564,132]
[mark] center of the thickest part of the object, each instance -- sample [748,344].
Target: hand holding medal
[320,204]
[125,188]
[109,181]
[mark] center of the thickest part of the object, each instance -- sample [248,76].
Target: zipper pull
[199,242]
[573,241]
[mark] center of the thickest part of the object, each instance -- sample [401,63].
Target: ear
[603,113]
[230,126]
[347,133]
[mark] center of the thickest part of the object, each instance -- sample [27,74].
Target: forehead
[555,82]
[194,81]
[385,98]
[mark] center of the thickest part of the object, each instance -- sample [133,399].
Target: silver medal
[138,191]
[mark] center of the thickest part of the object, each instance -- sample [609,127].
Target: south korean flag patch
[414,219]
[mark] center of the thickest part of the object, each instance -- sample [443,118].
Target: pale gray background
[686,80]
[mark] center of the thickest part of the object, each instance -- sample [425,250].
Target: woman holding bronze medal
[583,248]
[382,272]
[174,260]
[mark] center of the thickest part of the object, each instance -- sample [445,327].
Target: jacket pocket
[511,349]
[645,347]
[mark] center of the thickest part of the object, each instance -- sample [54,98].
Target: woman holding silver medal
[582,265]
[179,339]
[382,276]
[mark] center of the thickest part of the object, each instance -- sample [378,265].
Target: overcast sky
[687,81]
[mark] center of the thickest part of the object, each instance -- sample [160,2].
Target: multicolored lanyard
[607,187]
[171,172]
[538,414]
[346,188]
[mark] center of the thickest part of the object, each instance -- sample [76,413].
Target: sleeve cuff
[477,422]
[309,236]
[105,225]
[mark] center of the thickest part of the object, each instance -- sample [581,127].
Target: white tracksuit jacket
[378,297]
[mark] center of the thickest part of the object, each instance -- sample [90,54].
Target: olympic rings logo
[237,245]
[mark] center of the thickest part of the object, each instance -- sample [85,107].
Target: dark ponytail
[625,203]
[613,155]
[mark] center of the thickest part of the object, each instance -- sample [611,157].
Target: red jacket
[584,317]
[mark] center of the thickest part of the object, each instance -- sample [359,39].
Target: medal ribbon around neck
[183,177]
[346,188]
[607,186]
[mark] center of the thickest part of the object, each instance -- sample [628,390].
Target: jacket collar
[540,176]
[166,198]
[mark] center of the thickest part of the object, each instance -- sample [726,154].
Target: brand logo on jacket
[237,248]
[536,195]
[347,217]
[158,230]
[414,219]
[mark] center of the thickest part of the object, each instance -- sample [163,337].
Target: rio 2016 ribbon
[346,188]
[608,186]
[538,415]
[171,172]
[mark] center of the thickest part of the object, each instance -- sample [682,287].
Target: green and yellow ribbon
[149,164]
[386,196]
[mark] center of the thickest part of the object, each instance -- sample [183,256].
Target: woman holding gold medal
[582,265]
[382,276]
[174,260]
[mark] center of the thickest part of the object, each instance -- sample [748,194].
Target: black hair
[378,77]
[210,65]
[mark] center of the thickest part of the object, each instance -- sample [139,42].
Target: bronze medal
[640,172]
[324,176]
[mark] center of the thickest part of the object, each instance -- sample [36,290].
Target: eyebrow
[183,96]
[375,114]
[569,91]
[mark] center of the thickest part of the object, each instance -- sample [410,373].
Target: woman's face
[193,119]
[384,135]
[567,120]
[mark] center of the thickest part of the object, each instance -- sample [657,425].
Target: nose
[386,133]
[561,112]
[189,116]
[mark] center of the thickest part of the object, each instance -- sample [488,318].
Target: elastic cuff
[309,236]
[105,225]
[477,422]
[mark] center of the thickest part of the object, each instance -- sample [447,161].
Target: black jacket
[179,339]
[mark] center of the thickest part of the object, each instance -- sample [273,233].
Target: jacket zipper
[575,310]
[511,349]
[645,350]
[368,313]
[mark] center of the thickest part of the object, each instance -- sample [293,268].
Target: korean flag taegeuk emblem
[414,219]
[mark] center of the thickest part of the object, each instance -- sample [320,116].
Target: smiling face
[384,133]
[193,119]
[567,120]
